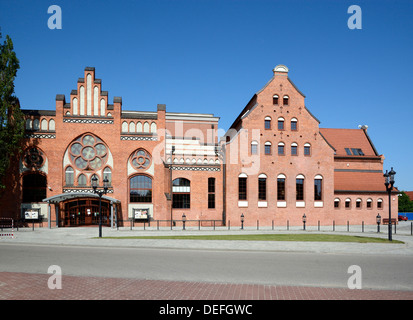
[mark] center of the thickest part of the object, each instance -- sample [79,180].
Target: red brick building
[273,165]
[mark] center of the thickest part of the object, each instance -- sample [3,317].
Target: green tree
[11,117]
[405,204]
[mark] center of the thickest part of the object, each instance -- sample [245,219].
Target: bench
[386,221]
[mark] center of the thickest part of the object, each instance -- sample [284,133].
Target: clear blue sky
[211,56]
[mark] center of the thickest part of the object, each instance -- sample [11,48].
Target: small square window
[293,150]
[267,124]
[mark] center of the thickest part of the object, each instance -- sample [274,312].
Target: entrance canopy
[73,195]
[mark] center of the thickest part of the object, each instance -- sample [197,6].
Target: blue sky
[211,56]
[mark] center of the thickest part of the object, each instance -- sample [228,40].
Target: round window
[141,159]
[88,153]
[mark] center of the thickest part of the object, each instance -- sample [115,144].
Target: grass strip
[269,237]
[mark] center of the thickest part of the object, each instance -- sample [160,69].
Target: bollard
[229,224]
[411,228]
[272,224]
[318,225]
[348,226]
[288,224]
[362,226]
[258,223]
[199,224]
[334,225]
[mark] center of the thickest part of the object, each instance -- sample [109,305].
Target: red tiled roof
[348,138]
[359,181]
[409,194]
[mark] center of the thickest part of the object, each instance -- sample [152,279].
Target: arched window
[294,122]
[36,124]
[262,187]
[299,186]
[285,100]
[125,126]
[52,126]
[294,149]
[81,180]
[281,187]
[132,127]
[275,99]
[368,203]
[181,193]
[281,148]
[336,203]
[358,203]
[44,125]
[34,187]
[347,203]
[268,147]
[211,193]
[28,124]
[107,173]
[318,185]
[69,176]
[281,123]
[242,186]
[379,203]
[307,149]
[254,147]
[140,189]
[267,123]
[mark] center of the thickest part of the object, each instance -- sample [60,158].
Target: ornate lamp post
[389,182]
[183,221]
[378,220]
[242,221]
[304,220]
[100,193]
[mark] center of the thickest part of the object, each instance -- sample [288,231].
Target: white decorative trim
[79,190]
[242,204]
[262,204]
[300,204]
[40,136]
[195,168]
[92,121]
[282,204]
[133,138]
[318,204]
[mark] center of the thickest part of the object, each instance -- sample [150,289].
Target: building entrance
[84,212]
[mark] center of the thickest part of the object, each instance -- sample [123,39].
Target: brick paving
[25,286]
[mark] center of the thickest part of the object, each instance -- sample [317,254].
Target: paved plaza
[33,286]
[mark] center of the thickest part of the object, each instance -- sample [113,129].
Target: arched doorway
[84,212]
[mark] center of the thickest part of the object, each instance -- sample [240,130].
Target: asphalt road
[392,272]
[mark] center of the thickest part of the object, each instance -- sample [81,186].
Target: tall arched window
[280,123]
[299,185]
[69,176]
[181,193]
[294,126]
[262,187]
[318,191]
[34,187]
[242,186]
[140,189]
[275,99]
[107,173]
[281,187]
[285,101]
[254,147]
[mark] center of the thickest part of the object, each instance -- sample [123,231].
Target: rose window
[88,153]
[33,158]
[141,159]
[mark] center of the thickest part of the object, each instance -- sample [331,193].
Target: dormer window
[275,99]
[285,100]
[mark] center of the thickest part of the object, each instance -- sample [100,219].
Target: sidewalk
[88,236]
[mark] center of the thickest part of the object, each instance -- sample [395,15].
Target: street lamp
[389,182]
[378,220]
[100,193]
[304,220]
[183,220]
[242,221]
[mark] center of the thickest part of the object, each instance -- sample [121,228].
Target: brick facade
[88,136]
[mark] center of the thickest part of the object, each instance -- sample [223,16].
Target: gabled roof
[340,139]
[359,181]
